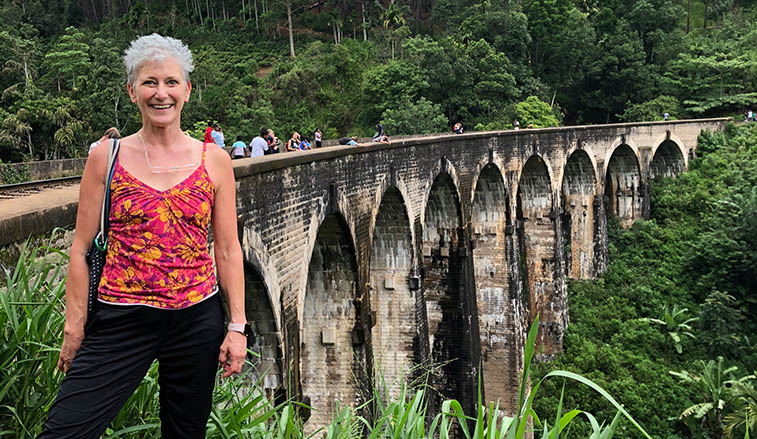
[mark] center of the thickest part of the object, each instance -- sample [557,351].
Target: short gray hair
[156,48]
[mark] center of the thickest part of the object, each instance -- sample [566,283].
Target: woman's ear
[132,94]
[189,90]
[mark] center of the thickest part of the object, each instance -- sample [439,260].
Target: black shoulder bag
[95,256]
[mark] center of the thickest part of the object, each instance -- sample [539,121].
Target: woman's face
[160,92]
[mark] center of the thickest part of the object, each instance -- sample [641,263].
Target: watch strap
[238,327]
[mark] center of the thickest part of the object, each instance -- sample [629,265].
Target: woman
[274,143]
[157,296]
[293,144]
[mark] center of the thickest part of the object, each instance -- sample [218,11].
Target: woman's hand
[71,342]
[233,353]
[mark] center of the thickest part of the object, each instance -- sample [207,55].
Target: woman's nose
[162,91]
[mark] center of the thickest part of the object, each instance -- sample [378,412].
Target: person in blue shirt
[238,149]
[217,135]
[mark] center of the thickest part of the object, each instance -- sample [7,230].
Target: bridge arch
[392,259]
[327,355]
[550,173]
[322,207]
[579,189]
[386,185]
[497,161]
[543,287]
[265,339]
[443,287]
[255,255]
[498,321]
[668,158]
[672,137]
[623,141]
[624,183]
[445,167]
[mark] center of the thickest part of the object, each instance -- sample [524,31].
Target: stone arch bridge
[435,251]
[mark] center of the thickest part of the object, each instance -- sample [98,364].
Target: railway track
[17,190]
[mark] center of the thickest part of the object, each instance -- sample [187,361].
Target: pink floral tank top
[158,242]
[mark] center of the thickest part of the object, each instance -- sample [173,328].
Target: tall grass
[31,318]
[31,321]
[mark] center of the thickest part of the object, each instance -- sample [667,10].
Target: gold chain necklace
[164,169]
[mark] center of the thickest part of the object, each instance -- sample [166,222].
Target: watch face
[247,329]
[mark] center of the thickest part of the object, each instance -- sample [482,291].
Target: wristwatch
[242,328]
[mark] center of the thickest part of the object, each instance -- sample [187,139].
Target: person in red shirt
[208,132]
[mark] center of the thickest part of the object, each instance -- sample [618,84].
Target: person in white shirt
[259,146]
[317,138]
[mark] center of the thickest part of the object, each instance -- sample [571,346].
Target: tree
[710,381]
[675,323]
[68,130]
[617,74]
[745,414]
[69,58]
[652,110]
[17,61]
[534,111]
[720,325]
[15,131]
[712,81]
[393,20]
[485,86]
[383,83]
[419,117]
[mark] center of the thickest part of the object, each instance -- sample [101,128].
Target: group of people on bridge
[267,143]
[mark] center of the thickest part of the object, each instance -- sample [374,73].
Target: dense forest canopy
[417,65]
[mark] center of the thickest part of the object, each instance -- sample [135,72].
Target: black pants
[115,355]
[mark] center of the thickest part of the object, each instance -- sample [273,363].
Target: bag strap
[101,240]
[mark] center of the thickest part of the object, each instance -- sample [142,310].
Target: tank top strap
[204,151]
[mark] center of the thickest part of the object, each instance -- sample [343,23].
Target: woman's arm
[91,192]
[228,257]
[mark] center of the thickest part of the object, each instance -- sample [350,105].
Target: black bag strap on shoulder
[101,240]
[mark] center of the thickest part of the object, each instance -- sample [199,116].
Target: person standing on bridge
[217,136]
[317,138]
[157,296]
[259,146]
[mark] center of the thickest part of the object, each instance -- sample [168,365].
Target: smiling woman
[157,298]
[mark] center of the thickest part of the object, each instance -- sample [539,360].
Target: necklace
[164,169]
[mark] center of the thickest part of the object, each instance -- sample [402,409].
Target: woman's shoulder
[99,155]
[214,155]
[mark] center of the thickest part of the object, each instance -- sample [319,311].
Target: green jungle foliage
[669,327]
[419,66]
